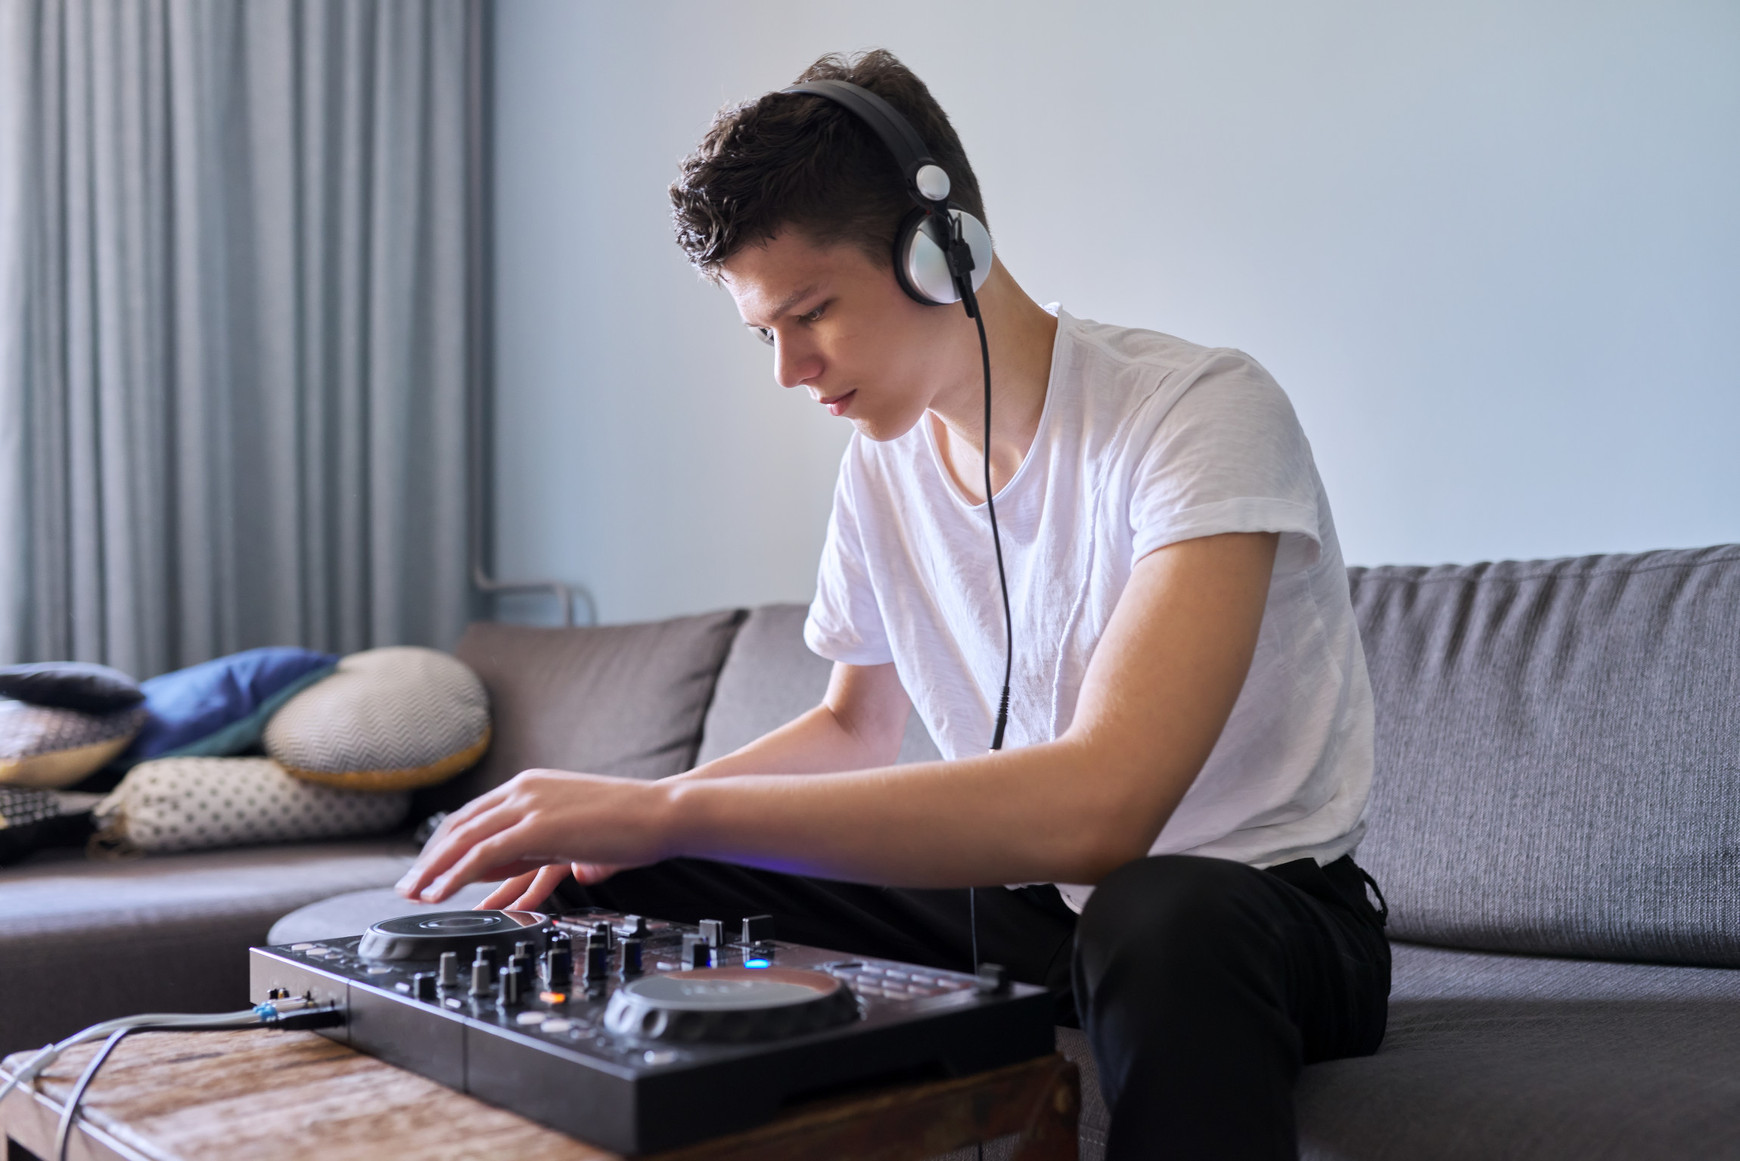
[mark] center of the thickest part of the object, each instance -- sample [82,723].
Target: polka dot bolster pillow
[398,718]
[185,804]
[52,747]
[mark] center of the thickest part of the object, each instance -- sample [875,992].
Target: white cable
[49,1053]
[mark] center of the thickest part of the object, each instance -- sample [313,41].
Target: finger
[507,892]
[546,881]
[589,873]
[461,815]
[502,848]
[416,879]
[440,856]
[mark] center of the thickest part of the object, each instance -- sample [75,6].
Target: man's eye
[814,315]
[765,334]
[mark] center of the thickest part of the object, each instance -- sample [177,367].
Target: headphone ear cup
[920,265]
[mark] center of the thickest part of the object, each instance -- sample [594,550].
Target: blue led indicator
[756,963]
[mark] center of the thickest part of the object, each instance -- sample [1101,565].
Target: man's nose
[794,363]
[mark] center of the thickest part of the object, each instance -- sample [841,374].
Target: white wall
[1491,249]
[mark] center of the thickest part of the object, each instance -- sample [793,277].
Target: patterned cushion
[389,719]
[50,747]
[182,804]
[80,685]
[32,819]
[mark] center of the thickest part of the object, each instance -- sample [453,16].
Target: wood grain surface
[194,1096]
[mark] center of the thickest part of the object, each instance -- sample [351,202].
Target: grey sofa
[1555,820]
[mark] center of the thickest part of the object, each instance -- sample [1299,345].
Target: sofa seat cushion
[84,940]
[1517,1056]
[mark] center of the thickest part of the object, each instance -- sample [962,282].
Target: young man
[1189,744]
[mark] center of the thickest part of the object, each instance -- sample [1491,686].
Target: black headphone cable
[964,283]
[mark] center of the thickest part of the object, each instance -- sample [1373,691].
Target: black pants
[1203,985]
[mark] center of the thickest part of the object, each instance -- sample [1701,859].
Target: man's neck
[1020,334]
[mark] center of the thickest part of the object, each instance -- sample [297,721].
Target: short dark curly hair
[789,160]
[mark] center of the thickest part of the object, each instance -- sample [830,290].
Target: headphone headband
[883,119]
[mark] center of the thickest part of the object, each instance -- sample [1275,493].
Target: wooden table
[188,1096]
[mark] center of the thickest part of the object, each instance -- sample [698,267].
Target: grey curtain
[236,332]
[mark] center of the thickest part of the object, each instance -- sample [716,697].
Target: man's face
[842,328]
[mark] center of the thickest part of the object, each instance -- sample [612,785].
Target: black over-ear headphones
[934,263]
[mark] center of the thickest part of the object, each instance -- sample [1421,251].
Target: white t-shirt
[1145,440]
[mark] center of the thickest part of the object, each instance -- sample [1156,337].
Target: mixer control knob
[486,955]
[510,988]
[603,933]
[993,979]
[636,925]
[597,960]
[559,967]
[526,948]
[713,932]
[560,939]
[449,977]
[631,956]
[696,953]
[757,929]
[522,969]
[423,987]
[480,977]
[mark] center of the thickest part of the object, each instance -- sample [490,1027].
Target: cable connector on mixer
[295,1015]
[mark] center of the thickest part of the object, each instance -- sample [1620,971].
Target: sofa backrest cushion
[770,677]
[1558,753]
[611,699]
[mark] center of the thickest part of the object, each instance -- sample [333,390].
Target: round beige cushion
[389,719]
[49,747]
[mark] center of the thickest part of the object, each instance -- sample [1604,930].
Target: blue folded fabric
[221,707]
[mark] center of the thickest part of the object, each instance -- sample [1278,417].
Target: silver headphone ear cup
[919,264]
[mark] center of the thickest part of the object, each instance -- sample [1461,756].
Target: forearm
[815,743]
[1044,813]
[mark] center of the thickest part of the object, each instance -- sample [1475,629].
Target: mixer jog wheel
[427,936]
[730,1005]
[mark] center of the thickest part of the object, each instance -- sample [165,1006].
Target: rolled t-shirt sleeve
[1228,456]
[845,622]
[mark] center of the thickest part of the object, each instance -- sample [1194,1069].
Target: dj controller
[637,1034]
